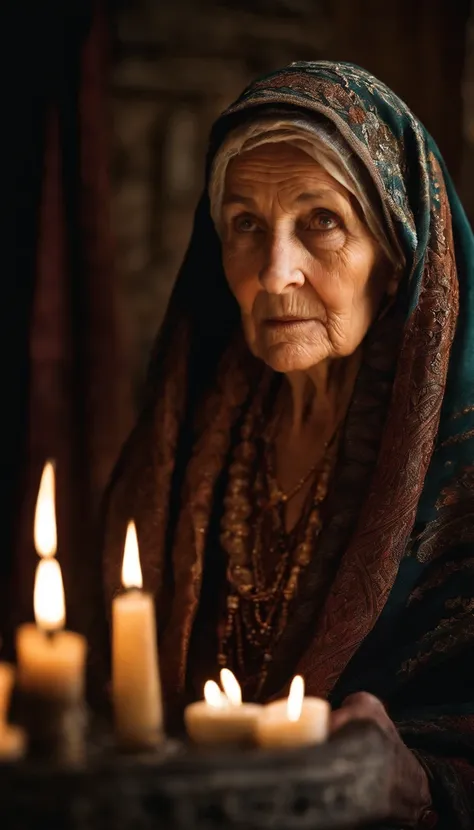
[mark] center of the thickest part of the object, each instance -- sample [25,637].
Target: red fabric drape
[77,395]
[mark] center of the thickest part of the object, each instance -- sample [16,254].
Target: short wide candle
[296,721]
[222,718]
[50,660]
[51,667]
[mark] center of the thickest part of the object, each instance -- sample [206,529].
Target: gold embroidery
[465,411]
[450,632]
[439,577]
[458,439]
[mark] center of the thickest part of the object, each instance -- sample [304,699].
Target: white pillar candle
[293,722]
[222,718]
[135,675]
[50,660]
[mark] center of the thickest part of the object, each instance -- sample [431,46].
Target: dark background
[106,110]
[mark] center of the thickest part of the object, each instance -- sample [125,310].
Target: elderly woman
[301,475]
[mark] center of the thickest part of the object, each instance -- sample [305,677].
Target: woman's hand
[409,791]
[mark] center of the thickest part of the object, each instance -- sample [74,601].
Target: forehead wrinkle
[246,174]
[276,159]
[305,196]
[251,174]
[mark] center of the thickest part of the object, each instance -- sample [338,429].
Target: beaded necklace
[258,604]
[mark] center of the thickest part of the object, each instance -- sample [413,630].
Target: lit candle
[296,721]
[50,660]
[135,675]
[222,718]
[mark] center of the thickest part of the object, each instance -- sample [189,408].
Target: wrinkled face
[299,259]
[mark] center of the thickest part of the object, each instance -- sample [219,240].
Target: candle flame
[131,570]
[231,687]
[49,605]
[45,514]
[213,695]
[295,699]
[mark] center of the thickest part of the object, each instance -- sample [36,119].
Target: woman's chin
[287,358]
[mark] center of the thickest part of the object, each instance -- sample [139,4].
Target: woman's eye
[324,220]
[245,224]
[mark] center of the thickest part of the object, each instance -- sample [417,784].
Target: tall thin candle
[135,675]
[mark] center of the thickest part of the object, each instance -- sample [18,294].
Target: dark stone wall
[176,65]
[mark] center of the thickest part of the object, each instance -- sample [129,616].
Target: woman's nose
[281,267]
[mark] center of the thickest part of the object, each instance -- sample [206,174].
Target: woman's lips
[285,322]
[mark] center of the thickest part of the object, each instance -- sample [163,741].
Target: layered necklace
[252,531]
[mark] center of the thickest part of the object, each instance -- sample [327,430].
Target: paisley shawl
[387,604]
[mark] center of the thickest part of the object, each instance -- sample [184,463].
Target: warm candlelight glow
[213,695]
[49,605]
[45,514]
[295,699]
[131,570]
[231,687]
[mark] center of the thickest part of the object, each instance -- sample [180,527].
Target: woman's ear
[392,285]
[393,279]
